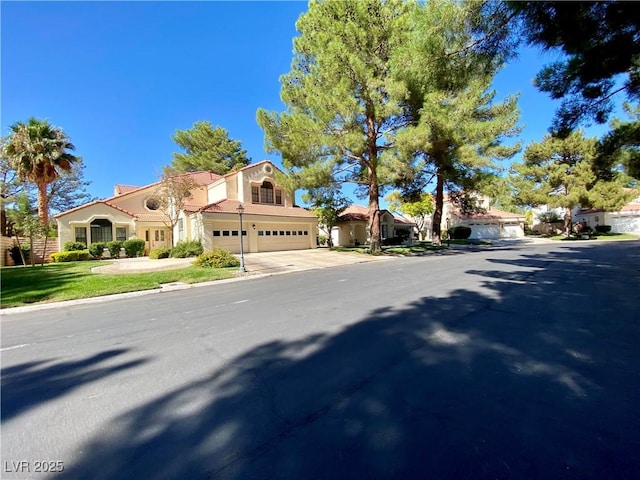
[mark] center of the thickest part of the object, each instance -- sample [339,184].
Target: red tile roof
[96,202]
[230,206]
[491,213]
[120,189]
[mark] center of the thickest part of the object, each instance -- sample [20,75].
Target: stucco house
[625,220]
[491,224]
[353,223]
[488,224]
[271,220]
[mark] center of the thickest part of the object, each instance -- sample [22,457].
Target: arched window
[101,230]
[266,192]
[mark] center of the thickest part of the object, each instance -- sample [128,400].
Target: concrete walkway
[264,263]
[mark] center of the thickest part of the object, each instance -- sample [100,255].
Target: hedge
[71,246]
[158,253]
[71,256]
[218,258]
[188,248]
[114,248]
[460,232]
[97,249]
[134,248]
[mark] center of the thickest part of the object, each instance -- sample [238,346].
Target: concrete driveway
[264,263]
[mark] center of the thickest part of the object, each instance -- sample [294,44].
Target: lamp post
[240,209]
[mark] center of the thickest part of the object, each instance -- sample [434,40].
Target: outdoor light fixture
[240,209]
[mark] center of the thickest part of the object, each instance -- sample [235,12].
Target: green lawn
[67,281]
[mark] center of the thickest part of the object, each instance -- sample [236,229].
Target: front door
[156,238]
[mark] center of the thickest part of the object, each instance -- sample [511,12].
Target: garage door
[282,237]
[485,232]
[227,236]
[513,231]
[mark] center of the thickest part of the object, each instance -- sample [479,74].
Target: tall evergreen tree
[558,172]
[342,101]
[208,149]
[600,43]
[457,128]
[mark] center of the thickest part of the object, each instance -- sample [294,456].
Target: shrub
[97,249]
[393,241]
[134,247]
[114,248]
[460,232]
[550,216]
[603,228]
[218,258]
[71,256]
[14,251]
[72,246]
[322,240]
[188,248]
[157,253]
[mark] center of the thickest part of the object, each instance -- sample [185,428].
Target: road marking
[240,301]
[14,347]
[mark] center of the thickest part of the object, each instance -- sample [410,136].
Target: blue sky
[121,77]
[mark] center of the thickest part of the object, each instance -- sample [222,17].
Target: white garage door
[625,224]
[513,231]
[485,232]
[227,236]
[283,237]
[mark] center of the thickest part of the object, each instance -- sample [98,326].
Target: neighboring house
[352,228]
[625,220]
[271,221]
[490,224]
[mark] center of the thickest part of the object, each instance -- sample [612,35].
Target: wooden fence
[38,249]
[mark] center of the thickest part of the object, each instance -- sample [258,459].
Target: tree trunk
[374,212]
[3,220]
[43,204]
[568,224]
[374,190]
[436,229]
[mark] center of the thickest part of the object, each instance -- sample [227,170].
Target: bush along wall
[71,256]
[134,248]
[460,232]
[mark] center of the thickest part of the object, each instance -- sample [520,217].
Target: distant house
[353,224]
[625,220]
[488,224]
[271,221]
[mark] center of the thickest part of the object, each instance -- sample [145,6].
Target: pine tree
[207,149]
[558,172]
[342,101]
[457,127]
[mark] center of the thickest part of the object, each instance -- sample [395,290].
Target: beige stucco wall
[83,218]
[254,177]
[217,191]
[134,202]
[253,224]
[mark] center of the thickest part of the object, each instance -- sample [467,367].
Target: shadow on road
[28,385]
[522,380]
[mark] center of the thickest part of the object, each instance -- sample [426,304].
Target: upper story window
[266,193]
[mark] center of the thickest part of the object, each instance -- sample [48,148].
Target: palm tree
[38,152]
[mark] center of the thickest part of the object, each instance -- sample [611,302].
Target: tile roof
[230,206]
[491,213]
[120,189]
[96,202]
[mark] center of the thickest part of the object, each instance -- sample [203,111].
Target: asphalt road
[515,362]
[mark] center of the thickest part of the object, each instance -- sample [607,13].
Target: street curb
[119,296]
